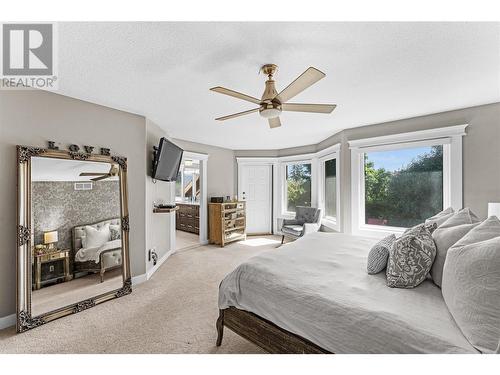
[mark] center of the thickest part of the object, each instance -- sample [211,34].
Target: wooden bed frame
[263,333]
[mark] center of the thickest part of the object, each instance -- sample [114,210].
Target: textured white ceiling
[376,72]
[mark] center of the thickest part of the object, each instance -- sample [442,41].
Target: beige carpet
[185,240]
[174,312]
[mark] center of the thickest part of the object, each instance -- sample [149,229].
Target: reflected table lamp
[494,209]
[50,238]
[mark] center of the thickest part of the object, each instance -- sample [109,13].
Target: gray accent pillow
[378,255]
[440,217]
[447,235]
[471,285]
[410,258]
[116,232]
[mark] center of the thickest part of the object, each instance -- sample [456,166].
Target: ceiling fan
[272,104]
[113,171]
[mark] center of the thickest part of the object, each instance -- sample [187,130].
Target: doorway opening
[190,198]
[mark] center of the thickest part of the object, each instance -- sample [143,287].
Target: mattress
[317,287]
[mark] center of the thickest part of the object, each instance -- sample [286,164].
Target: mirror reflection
[76,235]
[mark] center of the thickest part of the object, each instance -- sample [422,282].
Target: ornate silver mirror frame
[25,320]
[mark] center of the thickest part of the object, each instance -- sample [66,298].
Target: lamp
[49,238]
[494,209]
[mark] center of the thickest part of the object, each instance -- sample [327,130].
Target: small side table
[53,256]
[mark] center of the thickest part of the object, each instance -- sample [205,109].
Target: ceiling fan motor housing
[270,107]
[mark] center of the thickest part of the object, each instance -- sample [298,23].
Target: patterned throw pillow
[410,258]
[431,227]
[378,255]
[116,232]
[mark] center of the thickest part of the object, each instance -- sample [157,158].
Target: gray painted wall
[221,168]
[31,117]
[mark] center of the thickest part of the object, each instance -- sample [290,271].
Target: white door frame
[253,162]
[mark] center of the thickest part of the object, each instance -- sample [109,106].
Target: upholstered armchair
[307,220]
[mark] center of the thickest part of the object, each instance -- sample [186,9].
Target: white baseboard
[7,321]
[158,264]
[139,279]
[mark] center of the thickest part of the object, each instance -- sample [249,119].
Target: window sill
[378,231]
[330,223]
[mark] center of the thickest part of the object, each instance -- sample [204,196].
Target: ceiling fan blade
[274,122]
[92,174]
[235,94]
[316,108]
[302,82]
[100,178]
[237,114]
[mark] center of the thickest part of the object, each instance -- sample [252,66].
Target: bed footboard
[263,333]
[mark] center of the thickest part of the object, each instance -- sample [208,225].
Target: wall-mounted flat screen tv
[167,161]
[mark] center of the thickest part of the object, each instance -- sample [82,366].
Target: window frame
[329,221]
[284,166]
[182,168]
[451,140]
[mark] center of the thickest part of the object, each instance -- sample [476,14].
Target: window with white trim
[329,190]
[398,181]
[187,185]
[330,187]
[298,189]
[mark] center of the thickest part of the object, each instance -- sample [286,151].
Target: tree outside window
[403,187]
[298,181]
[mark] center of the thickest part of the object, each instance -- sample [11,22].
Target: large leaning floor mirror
[72,233]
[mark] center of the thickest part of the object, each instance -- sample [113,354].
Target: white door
[255,189]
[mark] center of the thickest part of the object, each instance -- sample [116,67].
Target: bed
[315,296]
[98,259]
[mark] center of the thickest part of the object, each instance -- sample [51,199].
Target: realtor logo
[28,56]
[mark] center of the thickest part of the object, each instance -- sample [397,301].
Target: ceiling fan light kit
[273,103]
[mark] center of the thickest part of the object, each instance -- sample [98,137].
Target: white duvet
[93,253]
[317,287]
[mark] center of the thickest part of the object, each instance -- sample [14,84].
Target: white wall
[160,228]
[29,117]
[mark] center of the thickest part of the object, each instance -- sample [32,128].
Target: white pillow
[96,237]
[440,217]
[471,285]
[446,235]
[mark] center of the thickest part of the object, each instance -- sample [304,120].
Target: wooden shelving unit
[226,222]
